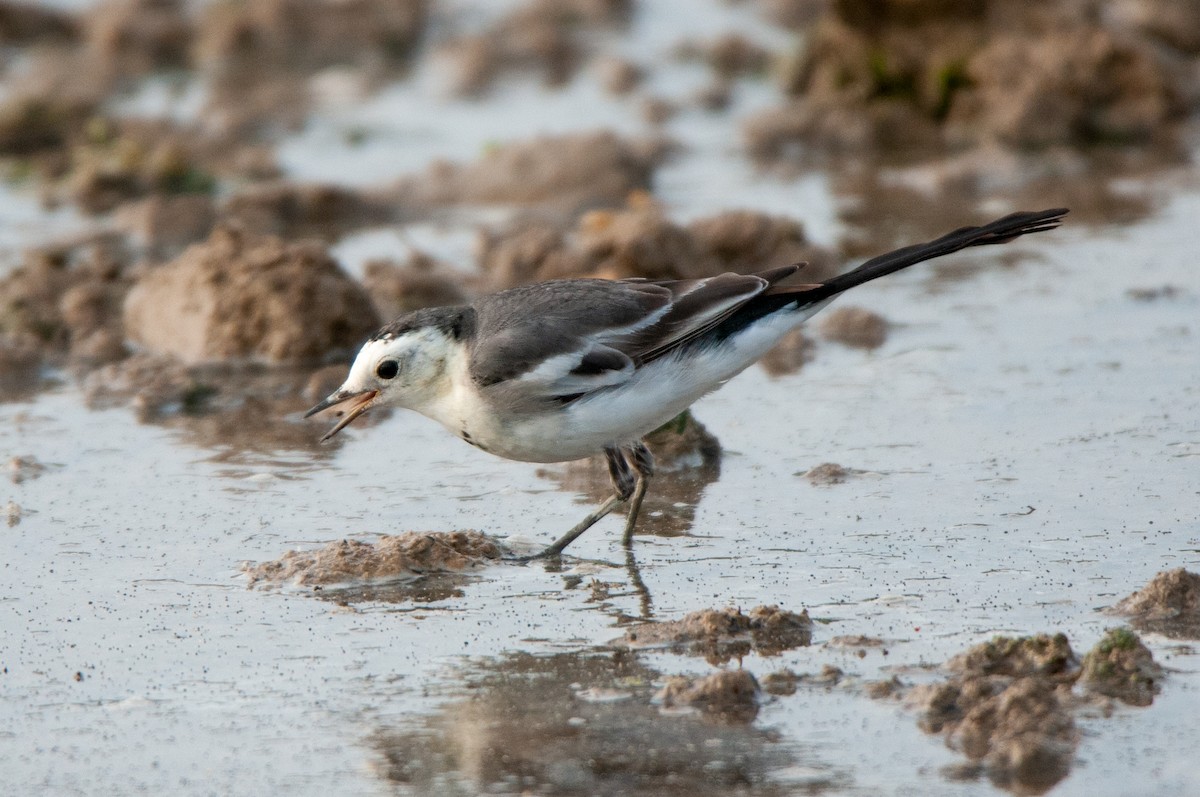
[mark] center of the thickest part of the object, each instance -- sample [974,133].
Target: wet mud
[211,207]
[1010,704]
[352,563]
[720,635]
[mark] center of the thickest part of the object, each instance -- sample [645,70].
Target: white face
[404,371]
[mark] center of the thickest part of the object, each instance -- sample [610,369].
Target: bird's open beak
[350,405]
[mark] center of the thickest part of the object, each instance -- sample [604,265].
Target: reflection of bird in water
[687,459]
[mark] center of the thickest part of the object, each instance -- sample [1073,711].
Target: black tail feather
[997,232]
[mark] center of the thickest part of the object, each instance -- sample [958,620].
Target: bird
[562,370]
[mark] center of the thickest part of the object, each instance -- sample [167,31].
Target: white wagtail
[562,370]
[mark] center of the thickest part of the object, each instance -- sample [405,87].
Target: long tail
[997,232]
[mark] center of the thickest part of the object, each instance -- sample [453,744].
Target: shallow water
[1031,439]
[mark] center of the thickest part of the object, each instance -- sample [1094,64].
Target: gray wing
[565,338]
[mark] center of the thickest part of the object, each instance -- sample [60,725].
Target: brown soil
[23,469]
[904,75]
[66,300]
[830,473]
[1006,707]
[1121,666]
[20,369]
[1168,605]
[563,174]
[730,55]
[297,210]
[1009,706]
[786,682]
[12,513]
[390,557]
[619,76]
[640,241]
[26,23]
[242,297]
[854,327]
[154,385]
[723,634]
[258,56]
[545,37]
[725,695]
[162,225]
[421,282]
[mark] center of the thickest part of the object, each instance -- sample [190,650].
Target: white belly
[654,395]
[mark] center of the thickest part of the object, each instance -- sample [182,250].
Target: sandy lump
[1168,605]
[398,557]
[1009,704]
[723,634]
[244,297]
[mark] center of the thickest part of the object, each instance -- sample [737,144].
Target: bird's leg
[624,482]
[643,462]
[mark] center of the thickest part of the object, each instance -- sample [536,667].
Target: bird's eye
[387,369]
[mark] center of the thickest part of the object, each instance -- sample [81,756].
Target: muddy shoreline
[942,541]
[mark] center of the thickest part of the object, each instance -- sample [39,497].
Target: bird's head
[404,365]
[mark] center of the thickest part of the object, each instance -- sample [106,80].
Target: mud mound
[1009,706]
[298,210]
[830,473]
[66,300]
[903,75]
[24,23]
[1041,655]
[1168,605]
[389,558]
[639,240]
[726,695]
[854,327]
[242,297]
[1006,708]
[1121,666]
[421,282]
[723,634]
[543,37]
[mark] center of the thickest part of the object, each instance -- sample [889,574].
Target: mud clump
[162,225]
[66,299]
[296,210]
[1009,706]
[421,282]
[544,37]
[729,56]
[244,297]
[1006,707]
[1120,666]
[913,76]
[854,327]
[258,57]
[397,557]
[563,173]
[726,695]
[640,241]
[723,634]
[26,23]
[828,474]
[1168,605]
